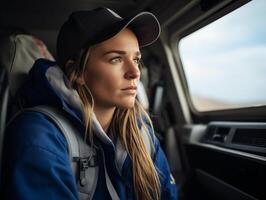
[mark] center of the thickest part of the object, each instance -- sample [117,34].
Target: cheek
[103,82]
[106,91]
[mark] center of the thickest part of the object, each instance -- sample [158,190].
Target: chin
[127,104]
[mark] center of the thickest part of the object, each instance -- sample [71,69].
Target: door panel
[227,160]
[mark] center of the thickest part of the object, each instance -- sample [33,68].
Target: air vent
[252,137]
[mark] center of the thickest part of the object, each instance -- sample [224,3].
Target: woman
[95,81]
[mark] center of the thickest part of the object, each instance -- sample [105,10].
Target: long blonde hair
[125,126]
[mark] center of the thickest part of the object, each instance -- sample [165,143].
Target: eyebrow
[121,52]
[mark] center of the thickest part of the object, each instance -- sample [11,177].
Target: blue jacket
[36,162]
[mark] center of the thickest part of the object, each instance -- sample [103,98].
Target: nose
[132,71]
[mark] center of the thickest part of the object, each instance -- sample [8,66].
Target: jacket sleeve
[36,164]
[168,186]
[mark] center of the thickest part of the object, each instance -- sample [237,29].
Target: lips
[130,88]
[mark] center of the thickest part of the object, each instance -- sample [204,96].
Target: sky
[226,60]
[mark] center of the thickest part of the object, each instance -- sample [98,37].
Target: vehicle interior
[205,94]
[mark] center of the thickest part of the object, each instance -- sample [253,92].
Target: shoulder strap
[63,124]
[79,152]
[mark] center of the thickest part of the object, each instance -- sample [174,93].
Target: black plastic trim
[248,137]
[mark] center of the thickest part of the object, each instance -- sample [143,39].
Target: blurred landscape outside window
[225,62]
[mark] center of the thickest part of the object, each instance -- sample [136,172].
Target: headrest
[17,54]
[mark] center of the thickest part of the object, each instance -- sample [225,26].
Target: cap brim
[146,27]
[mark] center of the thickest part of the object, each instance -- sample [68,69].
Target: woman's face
[112,71]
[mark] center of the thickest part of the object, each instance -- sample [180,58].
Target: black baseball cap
[89,27]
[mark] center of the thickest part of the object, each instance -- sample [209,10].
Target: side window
[225,62]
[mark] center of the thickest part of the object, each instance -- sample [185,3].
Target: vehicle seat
[17,55]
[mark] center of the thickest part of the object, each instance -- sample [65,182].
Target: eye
[115,60]
[137,60]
